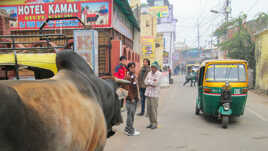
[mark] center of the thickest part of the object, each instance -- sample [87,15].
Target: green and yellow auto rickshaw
[27,66]
[222,89]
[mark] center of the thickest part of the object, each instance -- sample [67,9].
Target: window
[200,77]
[147,23]
[224,72]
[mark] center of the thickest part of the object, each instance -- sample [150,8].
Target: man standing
[132,99]
[141,78]
[121,72]
[152,92]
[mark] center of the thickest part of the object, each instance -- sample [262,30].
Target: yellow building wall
[262,61]
[148,25]
[159,50]
[148,33]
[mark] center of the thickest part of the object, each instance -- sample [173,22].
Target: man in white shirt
[152,92]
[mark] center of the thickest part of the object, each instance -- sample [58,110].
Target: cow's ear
[121,93]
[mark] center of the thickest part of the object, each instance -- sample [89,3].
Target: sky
[191,12]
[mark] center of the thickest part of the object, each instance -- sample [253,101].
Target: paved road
[181,130]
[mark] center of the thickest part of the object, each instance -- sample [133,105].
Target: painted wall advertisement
[30,14]
[148,48]
[159,11]
[86,45]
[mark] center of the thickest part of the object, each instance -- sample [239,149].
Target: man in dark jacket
[142,75]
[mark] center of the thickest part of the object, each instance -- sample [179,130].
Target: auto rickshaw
[27,66]
[191,67]
[222,89]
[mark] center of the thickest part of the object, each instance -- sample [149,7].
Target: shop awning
[125,8]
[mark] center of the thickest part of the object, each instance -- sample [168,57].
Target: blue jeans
[142,94]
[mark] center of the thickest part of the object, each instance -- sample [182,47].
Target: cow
[73,111]
[106,90]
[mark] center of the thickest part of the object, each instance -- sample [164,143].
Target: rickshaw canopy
[222,61]
[39,60]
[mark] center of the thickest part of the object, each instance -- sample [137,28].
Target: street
[181,130]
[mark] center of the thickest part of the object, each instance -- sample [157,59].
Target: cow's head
[119,93]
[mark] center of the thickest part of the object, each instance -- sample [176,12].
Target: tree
[241,44]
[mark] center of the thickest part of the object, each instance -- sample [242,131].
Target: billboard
[86,45]
[159,11]
[30,14]
[148,48]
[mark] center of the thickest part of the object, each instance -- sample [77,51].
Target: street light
[226,20]
[217,12]
[214,11]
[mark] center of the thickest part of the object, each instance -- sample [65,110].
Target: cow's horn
[121,81]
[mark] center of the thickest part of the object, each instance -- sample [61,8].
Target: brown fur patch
[73,122]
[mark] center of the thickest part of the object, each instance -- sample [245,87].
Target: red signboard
[33,13]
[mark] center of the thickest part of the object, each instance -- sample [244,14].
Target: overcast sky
[189,12]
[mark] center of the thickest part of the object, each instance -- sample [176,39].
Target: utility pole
[227,10]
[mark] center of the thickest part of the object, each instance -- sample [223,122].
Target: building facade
[261,54]
[166,25]
[118,29]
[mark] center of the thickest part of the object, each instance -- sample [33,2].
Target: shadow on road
[215,121]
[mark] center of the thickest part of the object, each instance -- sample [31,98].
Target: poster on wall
[86,45]
[31,14]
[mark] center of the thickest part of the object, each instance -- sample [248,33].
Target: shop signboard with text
[31,14]
[148,47]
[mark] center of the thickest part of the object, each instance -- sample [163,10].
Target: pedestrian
[195,78]
[141,78]
[132,99]
[120,73]
[152,92]
[121,70]
[169,73]
[190,78]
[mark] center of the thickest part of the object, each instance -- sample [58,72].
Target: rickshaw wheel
[197,110]
[225,121]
